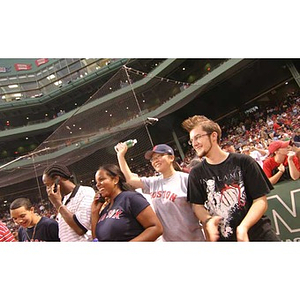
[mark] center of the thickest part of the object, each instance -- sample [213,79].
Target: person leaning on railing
[282,163]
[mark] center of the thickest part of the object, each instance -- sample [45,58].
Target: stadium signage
[22,67]
[41,61]
[284,210]
[4,69]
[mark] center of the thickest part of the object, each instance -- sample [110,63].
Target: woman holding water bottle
[168,193]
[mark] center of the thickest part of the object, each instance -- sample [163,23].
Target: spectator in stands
[5,234]
[282,164]
[263,132]
[294,172]
[33,228]
[256,155]
[228,147]
[228,190]
[296,137]
[168,193]
[194,162]
[72,202]
[128,215]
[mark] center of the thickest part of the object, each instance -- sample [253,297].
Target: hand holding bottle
[122,147]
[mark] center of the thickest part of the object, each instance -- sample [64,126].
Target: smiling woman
[167,192]
[128,215]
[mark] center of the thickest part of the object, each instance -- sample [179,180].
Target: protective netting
[118,111]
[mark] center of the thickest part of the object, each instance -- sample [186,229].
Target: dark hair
[19,202]
[176,166]
[113,171]
[58,170]
[227,144]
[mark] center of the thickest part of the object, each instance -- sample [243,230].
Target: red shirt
[270,164]
[5,234]
[276,126]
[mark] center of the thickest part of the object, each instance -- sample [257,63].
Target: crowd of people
[218,193]
[253,134]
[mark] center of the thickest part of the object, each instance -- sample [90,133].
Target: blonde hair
[207,125]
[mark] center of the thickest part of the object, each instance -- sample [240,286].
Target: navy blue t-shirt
[119,223]
[46,231]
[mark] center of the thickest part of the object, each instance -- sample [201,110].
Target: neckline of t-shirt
[219,164]
[116,199]
[171,177]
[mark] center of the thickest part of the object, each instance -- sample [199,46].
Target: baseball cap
[161,148]
[227,144]
[276,145]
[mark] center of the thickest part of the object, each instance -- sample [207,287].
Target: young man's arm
[256,211]
[268,171]
[210,224]
[68,216]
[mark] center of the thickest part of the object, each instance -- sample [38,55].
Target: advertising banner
[284,210]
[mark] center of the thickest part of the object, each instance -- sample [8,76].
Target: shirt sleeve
[195,192]
[137,203]
[53,231]
[82,215]
[257,183]
[267,168]
[146,181]
[296,162]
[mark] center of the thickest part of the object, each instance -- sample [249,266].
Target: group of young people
[222,198]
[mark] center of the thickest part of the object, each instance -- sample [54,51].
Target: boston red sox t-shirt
[119,222]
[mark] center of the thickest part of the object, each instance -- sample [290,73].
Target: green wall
[284,210]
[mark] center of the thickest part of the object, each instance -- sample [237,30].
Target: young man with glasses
[227,190]
[167,193]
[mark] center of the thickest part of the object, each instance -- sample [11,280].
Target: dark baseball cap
[161,148]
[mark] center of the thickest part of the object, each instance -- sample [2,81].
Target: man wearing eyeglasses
[227,190]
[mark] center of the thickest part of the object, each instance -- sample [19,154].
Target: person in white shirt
[73,204]
[251,151]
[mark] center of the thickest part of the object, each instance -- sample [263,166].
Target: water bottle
[129,143]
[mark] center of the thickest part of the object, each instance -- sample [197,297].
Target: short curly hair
[19,202]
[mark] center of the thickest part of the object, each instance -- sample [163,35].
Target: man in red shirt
[282,163]
[5,234]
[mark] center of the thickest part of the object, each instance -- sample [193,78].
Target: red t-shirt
[5,234]
[270,164]
[276,126]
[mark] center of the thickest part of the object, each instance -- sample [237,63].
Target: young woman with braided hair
[127,216]
[73,203]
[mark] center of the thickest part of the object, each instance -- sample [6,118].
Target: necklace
[33,234]
[34,229]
